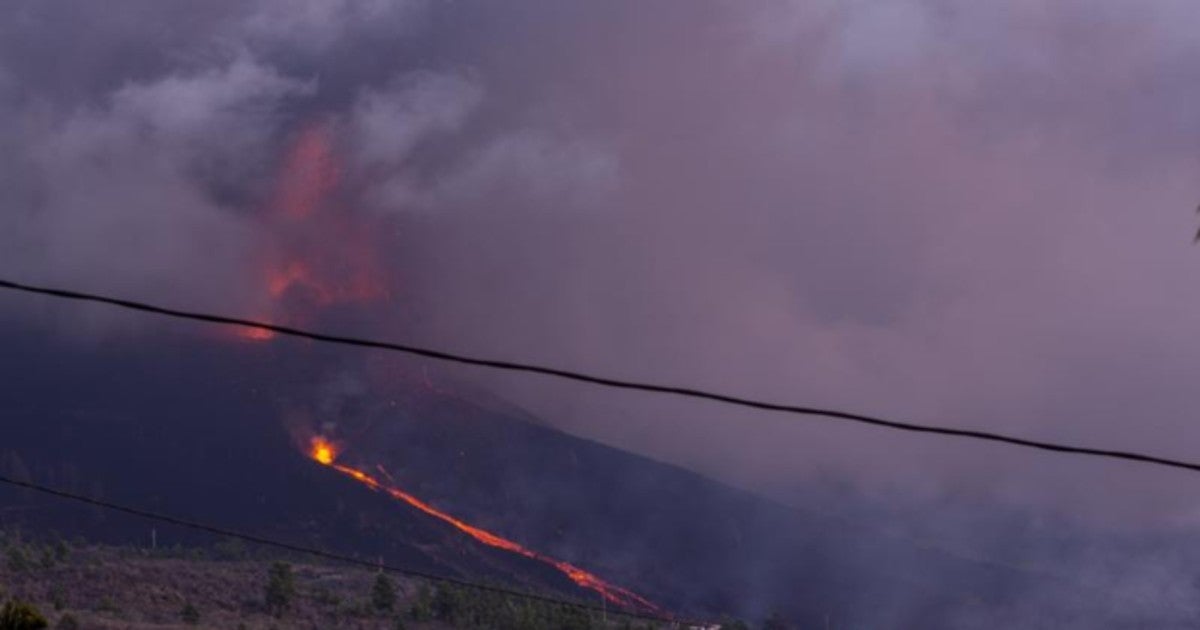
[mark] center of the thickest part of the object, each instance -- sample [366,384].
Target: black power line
[602,380]
[318,553]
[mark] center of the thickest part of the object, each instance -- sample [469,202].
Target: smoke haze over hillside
[938,211]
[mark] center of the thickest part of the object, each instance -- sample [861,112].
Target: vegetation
[280,589]
[107,605]
[61,550]
[230,549]
[422,606]
[18,615]
[17,557]
[383,593]
[189,614]
[21,556]
[733,624]
[58,597]
[131,587]
[466,607]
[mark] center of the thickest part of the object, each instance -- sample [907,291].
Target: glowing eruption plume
[325,453]
[316,252]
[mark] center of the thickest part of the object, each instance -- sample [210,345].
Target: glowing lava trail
[325,453]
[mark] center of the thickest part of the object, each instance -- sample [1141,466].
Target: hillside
[201,429]
[93,587]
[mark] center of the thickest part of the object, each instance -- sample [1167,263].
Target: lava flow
[325,452]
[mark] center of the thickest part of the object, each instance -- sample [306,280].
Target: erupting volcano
[324,452]
[318,254]
[315,252]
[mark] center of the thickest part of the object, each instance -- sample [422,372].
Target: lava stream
[324,452]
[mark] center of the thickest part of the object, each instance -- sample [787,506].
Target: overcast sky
[957,212]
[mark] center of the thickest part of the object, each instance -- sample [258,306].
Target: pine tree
[383,593]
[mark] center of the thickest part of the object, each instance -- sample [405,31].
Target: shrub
[61,550]
[422,606]
[355,608]
[734,624]
[18,615]
[383,593]
[449,604]
[280,589]
[326,597]
[18,559]
[189,614]
[230,549]
[46,557]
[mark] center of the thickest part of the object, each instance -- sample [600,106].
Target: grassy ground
[110,588]
[103,587]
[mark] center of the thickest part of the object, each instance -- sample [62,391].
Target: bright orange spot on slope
[322,451]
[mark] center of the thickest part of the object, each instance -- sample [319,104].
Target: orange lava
[315,253]
[250,333]
[325,453]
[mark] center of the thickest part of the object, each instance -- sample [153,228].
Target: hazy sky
[959,212]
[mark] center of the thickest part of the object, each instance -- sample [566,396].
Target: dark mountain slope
[195,428]
[196,433]
[684,540]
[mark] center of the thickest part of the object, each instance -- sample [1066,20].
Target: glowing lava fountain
[315,252]
[324,452]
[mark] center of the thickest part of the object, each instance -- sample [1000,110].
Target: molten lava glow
[323,452]
[315,253]
[297,274]
[254,334]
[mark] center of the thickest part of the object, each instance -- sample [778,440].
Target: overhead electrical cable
[604,381]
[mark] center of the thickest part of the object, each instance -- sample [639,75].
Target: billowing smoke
[939,211]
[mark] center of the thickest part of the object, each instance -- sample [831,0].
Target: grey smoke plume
[940,211]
